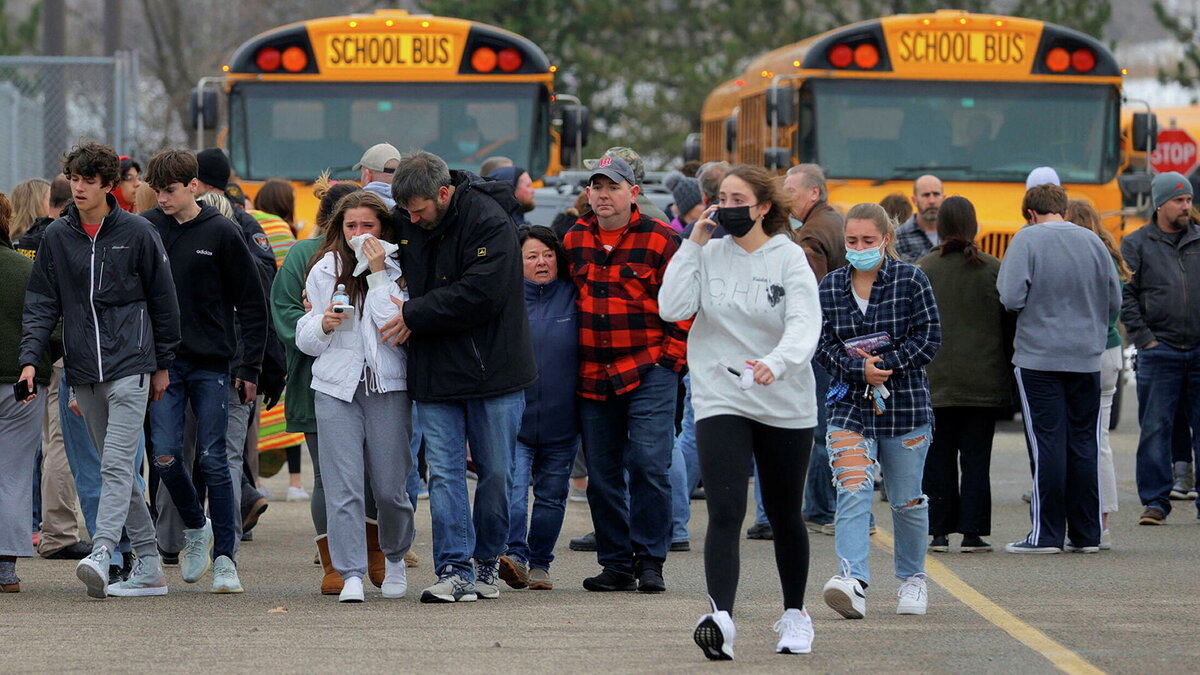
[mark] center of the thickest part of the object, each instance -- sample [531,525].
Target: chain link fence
[48,103]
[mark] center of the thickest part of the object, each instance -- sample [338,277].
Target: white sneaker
[913,594]
[352,590]
[714,635]
[1105,541]
[845,595]
[795,633]
[395,580]
[297,494]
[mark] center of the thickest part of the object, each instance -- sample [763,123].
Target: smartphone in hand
[22,391]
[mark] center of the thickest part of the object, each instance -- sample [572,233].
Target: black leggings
[727,444]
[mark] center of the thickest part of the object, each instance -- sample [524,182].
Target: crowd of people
[426,335]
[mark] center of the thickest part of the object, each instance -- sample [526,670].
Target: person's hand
[331,320]
[73,406]
[307,304]
[375,254]
[159,382]
[250,389]
[873,373]
[703,229]
[1151,344]
[27,374]
[762,374]
[395,331]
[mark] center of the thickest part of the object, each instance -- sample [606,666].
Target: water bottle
[340,296]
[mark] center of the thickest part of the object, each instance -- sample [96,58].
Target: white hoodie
[749,306]
[345,358]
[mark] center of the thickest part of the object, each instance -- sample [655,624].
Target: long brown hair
[766,189]
[28,204]
[883,222]
[5,217]
[328,193]
[1083,214]
[278,198]
[335,241]
[957,227]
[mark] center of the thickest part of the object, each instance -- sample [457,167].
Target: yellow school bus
[313,95]
[977,100]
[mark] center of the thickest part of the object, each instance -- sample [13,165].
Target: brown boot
[375,557]
[331,583]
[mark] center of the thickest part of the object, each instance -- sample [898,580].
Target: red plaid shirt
[621,334]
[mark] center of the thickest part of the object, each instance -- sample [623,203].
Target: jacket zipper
[478,358]
[141,326]
[92,302]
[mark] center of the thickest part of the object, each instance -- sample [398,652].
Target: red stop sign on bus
[1175,151]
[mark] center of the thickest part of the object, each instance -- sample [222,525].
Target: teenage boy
[207,250]
[103,272]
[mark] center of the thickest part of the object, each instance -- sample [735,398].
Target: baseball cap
[1042,175]
[629,155]
[613,168]
[377,156]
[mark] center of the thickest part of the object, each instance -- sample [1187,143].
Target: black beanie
[214,168]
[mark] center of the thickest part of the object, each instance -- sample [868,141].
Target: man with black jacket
[103,271]
[216,276]
[469,359]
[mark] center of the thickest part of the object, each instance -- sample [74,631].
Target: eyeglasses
[129,177]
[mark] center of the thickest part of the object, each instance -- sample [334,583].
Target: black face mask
[735,219]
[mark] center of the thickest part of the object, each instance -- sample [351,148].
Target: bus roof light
[1058,60]
[866,56]
[268,59]
[483,60]
[841,56]
[294,59]
[1083,60]
[509,60]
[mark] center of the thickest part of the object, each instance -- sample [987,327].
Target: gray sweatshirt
[1062,282]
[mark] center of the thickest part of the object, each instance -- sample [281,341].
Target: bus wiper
[903,172]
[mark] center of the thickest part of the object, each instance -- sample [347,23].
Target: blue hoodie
[550,410]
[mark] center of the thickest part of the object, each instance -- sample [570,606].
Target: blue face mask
[468,147]
[866,259]
[796,223]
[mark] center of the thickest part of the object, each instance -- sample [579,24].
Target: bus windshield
[299,130]
[961,131]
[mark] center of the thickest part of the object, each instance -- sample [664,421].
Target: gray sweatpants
[371,434]
[114,413]
[20,432]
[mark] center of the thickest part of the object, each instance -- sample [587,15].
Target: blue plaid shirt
[903,306]
[911,241]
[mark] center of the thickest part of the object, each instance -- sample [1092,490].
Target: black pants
[727,446]
[960,502]
[1061,412]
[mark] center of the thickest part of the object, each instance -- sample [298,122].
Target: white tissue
[356,243]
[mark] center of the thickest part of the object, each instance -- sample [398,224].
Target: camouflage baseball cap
[627,154]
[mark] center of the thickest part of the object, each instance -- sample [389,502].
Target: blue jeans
[549,469]
[208,393]
[1165,376]
[631,432]
[685,468]
[820,497]
[852,458]
[413,484]
[490,425]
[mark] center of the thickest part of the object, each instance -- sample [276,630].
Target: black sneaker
[247,536]
[760,531]
[168,557]
[585,543]
[973,543]
[119,573]
[77,551]
[649,576]
[609,580]
[681,545]
[253,506]
[939,544]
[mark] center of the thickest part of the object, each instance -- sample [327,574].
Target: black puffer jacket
[115,295]
[467,313]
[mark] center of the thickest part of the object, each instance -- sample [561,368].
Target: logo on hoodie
[201,251]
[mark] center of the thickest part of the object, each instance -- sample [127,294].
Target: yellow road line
[1061,657]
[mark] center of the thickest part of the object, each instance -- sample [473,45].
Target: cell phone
[347,312]
[22,391]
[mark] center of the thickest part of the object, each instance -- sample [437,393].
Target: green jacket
[972,367]
[14,277]
[287,306]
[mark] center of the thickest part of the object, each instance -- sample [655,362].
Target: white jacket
[345,358]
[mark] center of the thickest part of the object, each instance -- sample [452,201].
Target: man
[629,358]
[492,163]
[207,249]
[918,235]
[1063,285]
[522,192]
[470,359]
[103,272]
[375,170]
[630,156]
[1162,318]
[821,233]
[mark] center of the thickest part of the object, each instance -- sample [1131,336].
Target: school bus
[313,95]
[977,100]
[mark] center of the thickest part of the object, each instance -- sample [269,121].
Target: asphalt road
[1129,610]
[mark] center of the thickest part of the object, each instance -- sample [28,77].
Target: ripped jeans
[852,458]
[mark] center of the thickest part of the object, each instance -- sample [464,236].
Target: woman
[360,393]
[549,429]
[131,179]
[20,421]
[757,321]
[31,215]
[880,329]
[969,381]
[1083,214]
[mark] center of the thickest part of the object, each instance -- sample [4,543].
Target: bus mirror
[202,108]
[576,123]
[691,148]
[730,133]
[1145,131]
[777,158]
[781,106]
[1135,187]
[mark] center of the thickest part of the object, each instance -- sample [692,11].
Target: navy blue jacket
[550,417]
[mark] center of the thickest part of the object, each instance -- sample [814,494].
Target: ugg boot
[376,561]
[331,583]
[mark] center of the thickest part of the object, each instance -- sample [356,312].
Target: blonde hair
[28,204]
[218,201]
[145,198]
[883,222]
[1082,213]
